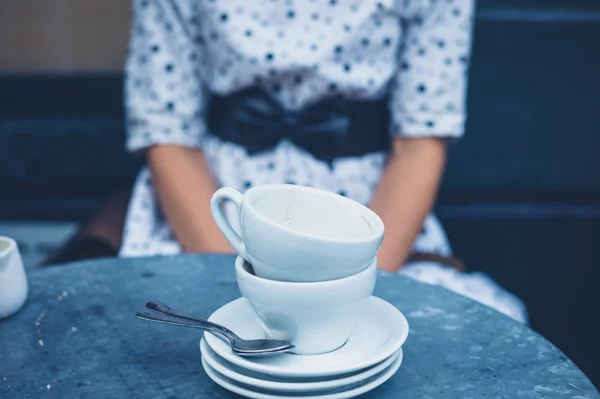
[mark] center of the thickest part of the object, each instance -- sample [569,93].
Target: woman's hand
[405,195]
[184,186]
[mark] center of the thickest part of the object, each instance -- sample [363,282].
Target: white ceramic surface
[263,381]
[349,391]
[13,281]
[297,233]
[379,333]
[316,317]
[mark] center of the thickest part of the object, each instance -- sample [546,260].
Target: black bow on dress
[256,121]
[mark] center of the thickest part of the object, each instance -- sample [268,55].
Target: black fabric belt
[330,129]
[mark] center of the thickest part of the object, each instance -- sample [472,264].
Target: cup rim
[239,267]
[374,220]
[12,244]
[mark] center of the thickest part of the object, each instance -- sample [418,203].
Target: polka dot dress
[415,52]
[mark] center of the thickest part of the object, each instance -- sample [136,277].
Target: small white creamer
[13,281]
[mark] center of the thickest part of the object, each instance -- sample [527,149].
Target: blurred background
[521,195]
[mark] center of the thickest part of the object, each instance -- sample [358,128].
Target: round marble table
[77,337]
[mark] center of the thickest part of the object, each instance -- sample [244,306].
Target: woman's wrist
[184,186]
[405,195]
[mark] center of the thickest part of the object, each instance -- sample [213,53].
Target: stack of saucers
[306,270]
[372,354]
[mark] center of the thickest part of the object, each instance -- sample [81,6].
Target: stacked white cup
[307,261]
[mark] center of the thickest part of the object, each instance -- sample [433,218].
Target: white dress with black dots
[415,51]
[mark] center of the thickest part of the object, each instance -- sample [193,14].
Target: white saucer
[261,381]
[378,334]
[346,392]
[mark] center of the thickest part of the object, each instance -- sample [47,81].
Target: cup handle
[228,193]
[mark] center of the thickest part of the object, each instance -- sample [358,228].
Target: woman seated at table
[359,98]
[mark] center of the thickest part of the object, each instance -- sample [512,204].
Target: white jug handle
[6,249]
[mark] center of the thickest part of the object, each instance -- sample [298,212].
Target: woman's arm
[427,108]
[405,195]
[165,104]
[184,186]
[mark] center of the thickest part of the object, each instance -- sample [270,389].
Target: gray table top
[77,337]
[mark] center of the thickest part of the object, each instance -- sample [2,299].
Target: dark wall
[520,199]
[42,119]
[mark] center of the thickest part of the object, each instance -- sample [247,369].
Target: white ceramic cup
[316,317]
[13,281]
[298,233]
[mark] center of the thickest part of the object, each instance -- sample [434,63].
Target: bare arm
[184,185]
[428,107]
[405,195]
[165,104]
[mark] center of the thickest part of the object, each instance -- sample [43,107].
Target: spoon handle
[200,324]
[163,309]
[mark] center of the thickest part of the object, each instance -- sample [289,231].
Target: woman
[359,98]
